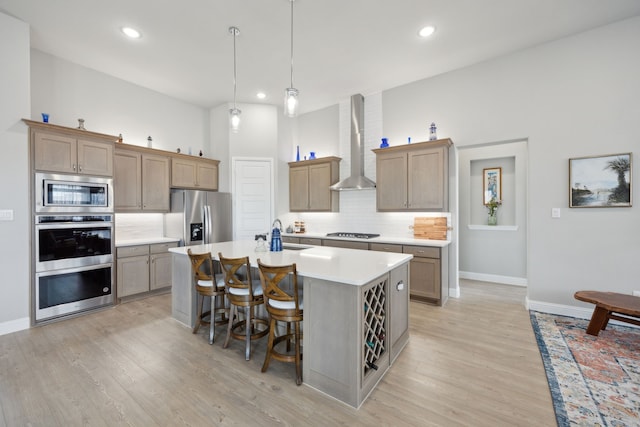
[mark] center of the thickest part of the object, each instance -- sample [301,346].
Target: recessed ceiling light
[131,32]
[427,31]
[261,95]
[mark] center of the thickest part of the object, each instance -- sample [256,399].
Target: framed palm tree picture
[600,181]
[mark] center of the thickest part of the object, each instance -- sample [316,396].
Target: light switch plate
[555,212]
[6,214]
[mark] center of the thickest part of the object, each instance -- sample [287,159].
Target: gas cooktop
[353,235]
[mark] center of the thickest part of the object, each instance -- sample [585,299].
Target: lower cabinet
[426,274]
[302,240]
[349,244]
[143,268]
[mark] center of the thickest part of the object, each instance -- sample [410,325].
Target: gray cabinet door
[398,309]
[127,181]
[426,186]
[299,189]
[133,275]
[391,181]
[155,183]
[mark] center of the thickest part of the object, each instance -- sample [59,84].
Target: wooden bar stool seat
[242,293]
[207,284]
[284,304]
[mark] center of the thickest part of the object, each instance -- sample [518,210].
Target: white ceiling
[341,47]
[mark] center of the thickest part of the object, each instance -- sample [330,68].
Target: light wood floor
[473,362]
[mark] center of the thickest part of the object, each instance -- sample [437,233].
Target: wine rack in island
[375,325]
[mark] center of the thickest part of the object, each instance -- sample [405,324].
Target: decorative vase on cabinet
[492,220]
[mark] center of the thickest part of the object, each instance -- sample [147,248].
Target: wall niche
[478,212]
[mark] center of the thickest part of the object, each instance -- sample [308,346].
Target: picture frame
[600,181]
[491,184]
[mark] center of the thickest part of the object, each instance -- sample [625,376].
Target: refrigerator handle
[207,224]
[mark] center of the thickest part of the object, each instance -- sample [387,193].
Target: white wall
[570,98]
[109,105]
[321,132]
[14,176]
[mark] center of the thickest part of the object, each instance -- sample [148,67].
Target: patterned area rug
[594,381]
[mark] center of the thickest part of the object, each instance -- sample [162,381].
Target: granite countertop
[348,266]
[145,241]
[398,240]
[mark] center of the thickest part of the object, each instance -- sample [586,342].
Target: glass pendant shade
[234,119]
[291,102]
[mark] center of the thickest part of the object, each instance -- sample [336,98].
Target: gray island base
[356,310]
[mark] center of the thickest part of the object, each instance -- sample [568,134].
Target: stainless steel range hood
[357,180]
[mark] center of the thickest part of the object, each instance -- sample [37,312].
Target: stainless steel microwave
[57,193]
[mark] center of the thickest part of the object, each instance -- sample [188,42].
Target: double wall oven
[74,244]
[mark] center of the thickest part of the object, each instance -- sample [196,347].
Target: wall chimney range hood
[357,180]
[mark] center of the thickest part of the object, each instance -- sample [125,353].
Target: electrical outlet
[555,212]
[636,293]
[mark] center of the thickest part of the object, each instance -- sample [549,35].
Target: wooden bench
[610,305]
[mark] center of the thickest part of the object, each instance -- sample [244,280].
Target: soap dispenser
[276,239]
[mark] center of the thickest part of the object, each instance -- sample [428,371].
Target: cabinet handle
[399,286]
[79,168]
[74,166]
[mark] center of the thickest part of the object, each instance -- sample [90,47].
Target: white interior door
[252,186]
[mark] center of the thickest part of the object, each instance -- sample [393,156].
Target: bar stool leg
[232,314]
[267,357]
[248,326]
[298,355]
[212,320]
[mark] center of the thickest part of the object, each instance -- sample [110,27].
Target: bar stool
[242,293]
[284,304]
[204,278]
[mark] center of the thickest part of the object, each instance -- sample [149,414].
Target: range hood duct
[357,180]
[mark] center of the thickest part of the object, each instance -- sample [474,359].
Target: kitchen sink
[295,248]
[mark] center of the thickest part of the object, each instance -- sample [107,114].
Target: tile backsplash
[136,226]
[358,214]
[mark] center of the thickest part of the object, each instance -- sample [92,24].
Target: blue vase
[297,153]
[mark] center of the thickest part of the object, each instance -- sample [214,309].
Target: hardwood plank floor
[473,362]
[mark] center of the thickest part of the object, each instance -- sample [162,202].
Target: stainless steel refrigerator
[199,217]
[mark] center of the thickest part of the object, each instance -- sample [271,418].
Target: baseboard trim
[504,280]
[14,326]
[568,310]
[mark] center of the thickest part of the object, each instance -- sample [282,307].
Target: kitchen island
[356,310]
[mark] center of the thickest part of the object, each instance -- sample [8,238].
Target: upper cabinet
[197,173]
[413,177]
[141,180]
[309,183]
[67,150]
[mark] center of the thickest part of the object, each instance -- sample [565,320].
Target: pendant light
[234,113]
[291,93]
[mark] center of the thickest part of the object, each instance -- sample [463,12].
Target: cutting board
[433,228]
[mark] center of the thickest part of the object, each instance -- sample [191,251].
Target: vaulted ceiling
[341,47]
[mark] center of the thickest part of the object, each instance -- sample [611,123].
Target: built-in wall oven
[74,243]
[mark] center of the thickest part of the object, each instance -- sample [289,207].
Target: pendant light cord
[291,1]
[235,32]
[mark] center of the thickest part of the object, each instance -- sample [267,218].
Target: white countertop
[145,241]
[349,266]
[382,239]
